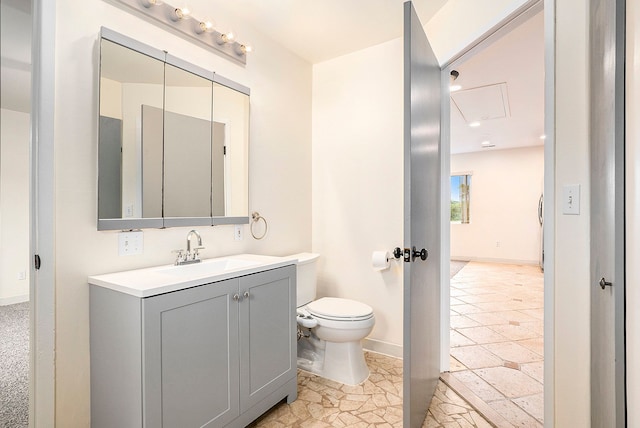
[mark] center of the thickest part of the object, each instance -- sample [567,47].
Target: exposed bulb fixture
[226,36]
[181,13]
[205,26]
[474,124]
[243,48]
[180,19]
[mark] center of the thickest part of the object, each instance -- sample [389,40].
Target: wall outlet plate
[237,232]
[130,243]
[571,199]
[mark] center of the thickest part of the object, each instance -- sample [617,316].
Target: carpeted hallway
[14,365]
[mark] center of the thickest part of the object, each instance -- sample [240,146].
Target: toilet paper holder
[397,252]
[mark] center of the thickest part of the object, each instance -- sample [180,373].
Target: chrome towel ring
[256,217]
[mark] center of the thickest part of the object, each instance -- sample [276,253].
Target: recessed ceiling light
[454,88]
[487,144]
[474,124]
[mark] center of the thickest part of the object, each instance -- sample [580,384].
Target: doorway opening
[496,235]
[15,141]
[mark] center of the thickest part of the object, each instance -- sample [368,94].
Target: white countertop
[156,280]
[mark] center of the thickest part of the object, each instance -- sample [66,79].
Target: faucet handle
[195,251]
[180,257]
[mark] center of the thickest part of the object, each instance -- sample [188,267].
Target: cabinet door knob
[246,294]
[236,297]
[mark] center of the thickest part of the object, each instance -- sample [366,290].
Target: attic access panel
[483,103]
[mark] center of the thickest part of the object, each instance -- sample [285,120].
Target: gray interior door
[608,395]
[421,337]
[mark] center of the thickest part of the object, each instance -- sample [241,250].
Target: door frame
[41,217]
[518,16]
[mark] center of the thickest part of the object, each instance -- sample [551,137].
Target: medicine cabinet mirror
[173,142]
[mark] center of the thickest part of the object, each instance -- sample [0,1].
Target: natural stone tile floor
[375,403]
[497,343]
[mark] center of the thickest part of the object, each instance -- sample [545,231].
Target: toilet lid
[339,309]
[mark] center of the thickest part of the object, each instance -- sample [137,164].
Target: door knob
[604,283]
[236,297]
[423,254]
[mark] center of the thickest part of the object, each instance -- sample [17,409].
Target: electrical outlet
[497,243]
[130,243]
[22,275]
[237,232]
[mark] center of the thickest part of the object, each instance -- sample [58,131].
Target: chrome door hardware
[604,283]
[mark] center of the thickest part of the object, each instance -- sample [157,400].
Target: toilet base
[342,362]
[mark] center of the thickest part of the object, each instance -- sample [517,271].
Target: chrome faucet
[193,232]
[189,257]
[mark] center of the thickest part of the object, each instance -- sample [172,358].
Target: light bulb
[226,36]
[149,3]
[205,26]
[543,137]
[243,48]
[182,12]
[474,124]
[454,88]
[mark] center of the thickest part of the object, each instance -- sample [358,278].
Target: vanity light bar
[181,21]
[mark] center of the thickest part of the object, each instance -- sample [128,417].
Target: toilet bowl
[333,329]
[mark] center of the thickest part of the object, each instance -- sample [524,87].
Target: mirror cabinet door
[230,153]
[130,84]
[187,144]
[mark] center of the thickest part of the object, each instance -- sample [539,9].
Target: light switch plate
[571,199]
[130,243]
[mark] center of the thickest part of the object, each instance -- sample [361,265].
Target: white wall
[280,182]
[14,207]
[571,343]
[505,189]
[358,161]
[633,212]
[357,179]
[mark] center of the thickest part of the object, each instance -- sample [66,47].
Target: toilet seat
[337,309]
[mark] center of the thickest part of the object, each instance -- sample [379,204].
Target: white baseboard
[492,260]
[5,301]
[381,347]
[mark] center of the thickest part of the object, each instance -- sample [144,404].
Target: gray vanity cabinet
[214,355]
[190,355]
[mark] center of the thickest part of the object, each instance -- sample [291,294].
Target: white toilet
[333,349]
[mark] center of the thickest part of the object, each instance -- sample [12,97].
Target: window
[460,185]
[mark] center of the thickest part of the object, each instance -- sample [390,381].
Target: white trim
[41,282]
[380,347]
[549,210]
[6,301]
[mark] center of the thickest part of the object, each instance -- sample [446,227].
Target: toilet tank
[307,277]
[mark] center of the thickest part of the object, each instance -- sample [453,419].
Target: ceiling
[320,30]
[515,64]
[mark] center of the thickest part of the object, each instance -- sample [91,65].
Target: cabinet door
[191,357]
[267,333]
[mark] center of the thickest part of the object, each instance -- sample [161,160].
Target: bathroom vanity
[211,344]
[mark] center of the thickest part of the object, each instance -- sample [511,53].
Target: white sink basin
[208,267]
[157,280]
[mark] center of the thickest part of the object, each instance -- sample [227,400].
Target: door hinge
[37,261]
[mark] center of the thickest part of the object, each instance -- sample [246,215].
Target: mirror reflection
[187,144]
[124,92]
[172,144]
